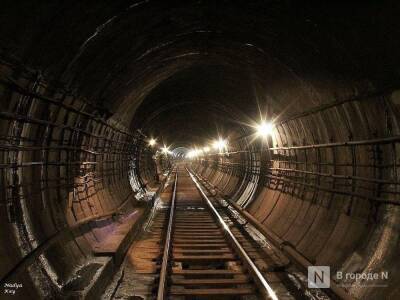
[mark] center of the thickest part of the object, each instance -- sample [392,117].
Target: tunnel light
[152,142]
[195,153]
[192,153]
[264,129]
[206,149]
[220,144]
[165,150]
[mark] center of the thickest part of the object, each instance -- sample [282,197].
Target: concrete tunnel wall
[306,196]
[79,80]
[65,174]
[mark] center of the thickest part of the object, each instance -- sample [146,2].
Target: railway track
[202,258]
[195,248]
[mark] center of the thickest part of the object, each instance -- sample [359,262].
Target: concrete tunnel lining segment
[83,86]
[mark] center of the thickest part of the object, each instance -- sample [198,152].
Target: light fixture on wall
[152,142]
[220,144]
[165,150]
[265,129]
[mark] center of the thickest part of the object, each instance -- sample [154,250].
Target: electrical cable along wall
[325,184]
[62,167]
[341,157]
[235,173]
[85,87]
[142,172]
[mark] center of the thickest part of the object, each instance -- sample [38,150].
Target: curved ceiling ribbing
[119,53]
[184,72]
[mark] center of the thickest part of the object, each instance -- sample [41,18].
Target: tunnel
[289,110]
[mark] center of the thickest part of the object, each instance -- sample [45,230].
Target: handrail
[167,246]
[265,288]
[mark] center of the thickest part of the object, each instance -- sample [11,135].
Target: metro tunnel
[260,137]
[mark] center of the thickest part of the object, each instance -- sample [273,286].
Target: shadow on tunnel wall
[68,180]
[335,203]
[74,161]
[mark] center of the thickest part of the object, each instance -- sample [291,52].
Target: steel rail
[167,246]
[65,231]
[265,289]
[285,246]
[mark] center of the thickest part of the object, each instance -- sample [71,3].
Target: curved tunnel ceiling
[117,53]
[197,105]
[84,86]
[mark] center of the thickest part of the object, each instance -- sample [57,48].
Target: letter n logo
[319,277]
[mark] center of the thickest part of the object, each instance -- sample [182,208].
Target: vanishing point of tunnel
[199,149]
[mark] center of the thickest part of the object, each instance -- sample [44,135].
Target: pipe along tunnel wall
[83,86]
